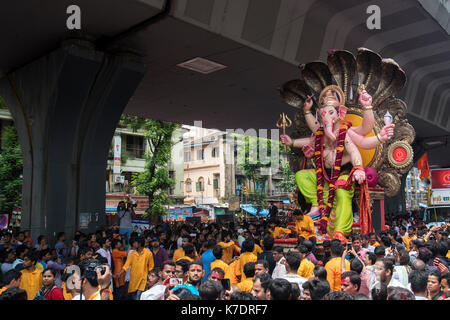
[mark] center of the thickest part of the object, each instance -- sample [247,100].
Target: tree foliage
[154,181]
[11,166]
[288,182]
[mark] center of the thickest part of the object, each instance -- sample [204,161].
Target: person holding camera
[95,280]
[125,213]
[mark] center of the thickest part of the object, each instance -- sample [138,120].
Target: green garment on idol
[341,216]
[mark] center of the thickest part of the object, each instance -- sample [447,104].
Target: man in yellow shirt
[11,279]
[141,262]
[246,256]
[334,266]
[249,272]
[304,226]
[306,267]
[219,263]
[186,239]
[189,253]
[276,231]
[229,247]
[31,280]
[410,237]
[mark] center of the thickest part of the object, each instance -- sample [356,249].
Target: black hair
[303,249]
[372,257]
[211,243]
[265,279]
[295,291]
[338,295]
[317,288]
[242,295]
[356,265]
[398,293]
[265,263]
[278,249]
[248,246]
[184,263]
[13,294]
[293,259]
[60,234]
[11,275]
[336,248]
[268,243]
[297,212]
[32,255]
[249,269]
[386,241]
[379,292]
[308,244]
[418,280]
[320,273]
[185,294]
[197,263]
[218,270]
[388,264]
[42,253]
[404,257]
[379,251]
[353,276]
[210,290]
[436,274]
[218,252]
[280,289]
[53,271]
[189,249]
[168,262]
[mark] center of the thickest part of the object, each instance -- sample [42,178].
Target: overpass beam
[66,106]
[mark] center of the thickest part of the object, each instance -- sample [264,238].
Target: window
[216,181]
[187,156]
[134,146]
[215,152]
[188,185]
[200,185]
[200,154]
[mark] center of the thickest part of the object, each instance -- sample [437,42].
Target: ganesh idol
[329,188]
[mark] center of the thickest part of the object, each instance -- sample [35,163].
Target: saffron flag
[422,165]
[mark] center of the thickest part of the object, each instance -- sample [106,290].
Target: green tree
[11,166]
[288,182]
[154,181]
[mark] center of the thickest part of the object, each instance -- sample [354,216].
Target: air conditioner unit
[119,179]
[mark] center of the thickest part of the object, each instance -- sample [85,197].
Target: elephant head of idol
[332,110]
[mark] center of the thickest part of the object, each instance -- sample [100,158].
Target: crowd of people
[235,260]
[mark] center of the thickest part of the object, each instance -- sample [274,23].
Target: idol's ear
[342,111]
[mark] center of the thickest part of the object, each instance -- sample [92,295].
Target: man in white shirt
[292,264]
[280,269]
[418,280]
[156,288]
[385,270]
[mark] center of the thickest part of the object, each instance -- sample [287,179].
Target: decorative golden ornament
[400,154]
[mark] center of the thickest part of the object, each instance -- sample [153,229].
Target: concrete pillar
[66,106]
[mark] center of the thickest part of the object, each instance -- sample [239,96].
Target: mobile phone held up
[176,282]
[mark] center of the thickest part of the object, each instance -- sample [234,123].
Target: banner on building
[440,197]
[440,178]
[117,154]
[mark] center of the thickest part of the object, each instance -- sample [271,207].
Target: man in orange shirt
[246,256]
[31,280]
[229,247]
[219,263]
[141,262]
[118,256]
[276,231]
[304,227]
[189,253]
[334,265]
[249,272]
